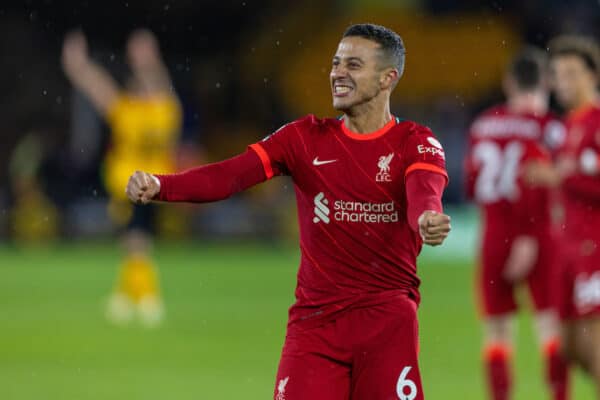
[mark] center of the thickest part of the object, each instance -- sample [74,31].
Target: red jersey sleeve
[212,182]
[424,191]
[585,183]
[422,151]
[471,169]
[277,150]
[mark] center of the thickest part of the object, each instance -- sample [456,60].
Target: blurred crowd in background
[240,69]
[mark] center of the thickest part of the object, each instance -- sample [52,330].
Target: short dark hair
[528,68]
[391,43]
[583,47]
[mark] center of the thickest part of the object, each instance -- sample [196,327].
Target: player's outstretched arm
[580,179]
[202,184]
[536,173]
[86,75]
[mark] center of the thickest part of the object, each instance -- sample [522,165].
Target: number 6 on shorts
[403,383]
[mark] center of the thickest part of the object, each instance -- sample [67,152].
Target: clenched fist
[142,187]
[434,227]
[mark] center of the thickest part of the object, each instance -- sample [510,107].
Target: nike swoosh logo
[322,162]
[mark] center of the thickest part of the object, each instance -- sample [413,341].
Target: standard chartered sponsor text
[354,211]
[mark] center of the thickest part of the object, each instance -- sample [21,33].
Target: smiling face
[571,80]
[359,73]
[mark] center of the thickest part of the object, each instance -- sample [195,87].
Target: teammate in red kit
[368,188]
[575,66]
[516,243]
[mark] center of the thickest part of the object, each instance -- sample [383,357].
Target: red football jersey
[581,191]
[500,143]
[357,247]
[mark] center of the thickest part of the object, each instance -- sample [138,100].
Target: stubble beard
[361,105]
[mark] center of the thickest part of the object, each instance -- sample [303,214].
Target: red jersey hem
[320,315]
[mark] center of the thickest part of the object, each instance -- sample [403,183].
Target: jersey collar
[580,112]
[371,135]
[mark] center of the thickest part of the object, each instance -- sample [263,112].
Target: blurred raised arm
[143,54]
[86,75]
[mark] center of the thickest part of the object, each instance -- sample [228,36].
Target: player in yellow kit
[145,119]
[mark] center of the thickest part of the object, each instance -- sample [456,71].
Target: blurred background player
[34,218]
[575,71]
[145,119]
[516,244]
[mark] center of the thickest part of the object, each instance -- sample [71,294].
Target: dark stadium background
[241,69]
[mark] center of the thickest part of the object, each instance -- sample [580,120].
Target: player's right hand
[434,227]
[142,187]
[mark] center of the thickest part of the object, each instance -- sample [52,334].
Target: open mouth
[341,90]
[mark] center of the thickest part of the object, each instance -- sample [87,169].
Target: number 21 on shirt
[498,171]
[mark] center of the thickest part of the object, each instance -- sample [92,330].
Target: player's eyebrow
[349,59]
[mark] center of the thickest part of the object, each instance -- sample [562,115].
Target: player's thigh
[542,279]
[391,375]
[586,281]
[577,343]
[562,288]
[311,368]
[311,377]
[496,294]
[387,368]
[592,328]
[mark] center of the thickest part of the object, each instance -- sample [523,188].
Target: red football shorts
[367,353]
[579,283]
[497,295]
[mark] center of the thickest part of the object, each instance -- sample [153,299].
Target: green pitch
[226,313]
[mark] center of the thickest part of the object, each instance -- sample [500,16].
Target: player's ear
[389,77]
[508,85]
[593,77]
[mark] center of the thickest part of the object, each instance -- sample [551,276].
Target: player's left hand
[434,227]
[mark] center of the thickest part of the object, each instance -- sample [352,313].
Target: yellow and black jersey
[144,136]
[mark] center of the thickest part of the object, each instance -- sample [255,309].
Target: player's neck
[528,103]
[368,119]
[586,100]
